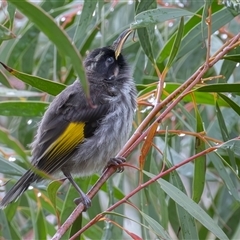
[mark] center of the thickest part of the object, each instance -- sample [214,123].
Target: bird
[80,138]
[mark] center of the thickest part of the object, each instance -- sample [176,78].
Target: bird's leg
[116,162]
[84,198]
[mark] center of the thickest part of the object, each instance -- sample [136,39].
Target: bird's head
[102,66]
[107,68]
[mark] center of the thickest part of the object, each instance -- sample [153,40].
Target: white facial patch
[91,66]
[99,56]
[116,71]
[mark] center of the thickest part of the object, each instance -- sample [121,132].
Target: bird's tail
[18,189]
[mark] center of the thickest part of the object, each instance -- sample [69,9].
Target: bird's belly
[92,155]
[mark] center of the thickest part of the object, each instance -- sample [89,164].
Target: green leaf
[225,135]
[145,34]
[41,225]
[231,103]
[145,42]
[42,84]
[144,5]
[155,16]
[5,33]
[158,229]
[15,233]
[13,93]
[46,63]
[33,215]
[227,70]
[10,168]
[11,209]
[191,120]
[4,80]
[30,34]
[11,12]
[52,190]
[176,44]
[28,57]
[4,230]
[84,21]
[185,220]
[217,161]
[220,87]
[235,57]
[76,225]
[207,5]
[199,163]
[23,109]
[49,27]
[154,190]
[152,224]
[191,207]
[233,144]
[11,142]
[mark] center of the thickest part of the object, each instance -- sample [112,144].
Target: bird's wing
[63,130]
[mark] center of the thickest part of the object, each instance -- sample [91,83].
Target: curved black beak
[118,43]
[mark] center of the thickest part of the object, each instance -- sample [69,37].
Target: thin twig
[209,25]
[161,82]
[200,135]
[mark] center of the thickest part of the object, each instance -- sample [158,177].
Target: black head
[102,66]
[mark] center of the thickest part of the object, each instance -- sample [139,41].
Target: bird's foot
[85,200]
[117,161]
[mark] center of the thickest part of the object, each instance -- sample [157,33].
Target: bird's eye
[109,60]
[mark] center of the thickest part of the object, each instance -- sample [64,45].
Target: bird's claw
[117,161]
[86,201]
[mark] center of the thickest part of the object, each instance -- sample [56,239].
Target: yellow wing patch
[67,141]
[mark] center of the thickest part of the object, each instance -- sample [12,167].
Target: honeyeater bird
[77,137]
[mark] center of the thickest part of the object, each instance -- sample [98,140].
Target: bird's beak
[118,43]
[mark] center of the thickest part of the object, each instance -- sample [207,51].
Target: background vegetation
[182,175]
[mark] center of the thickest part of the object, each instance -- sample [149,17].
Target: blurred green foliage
[45,43]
